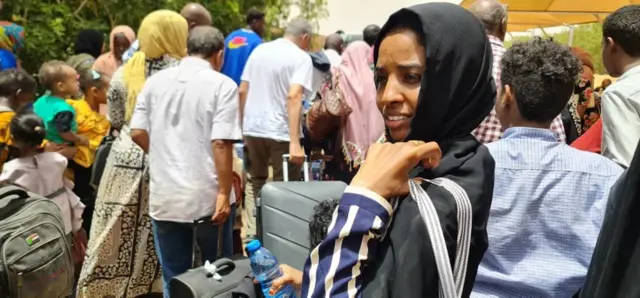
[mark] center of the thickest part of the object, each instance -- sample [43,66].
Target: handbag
[451,283]
[100,160]
[329,112]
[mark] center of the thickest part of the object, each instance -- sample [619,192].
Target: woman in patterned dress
[121,259]
[582,109]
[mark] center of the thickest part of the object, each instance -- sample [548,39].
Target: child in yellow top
[17,90]
[92,126]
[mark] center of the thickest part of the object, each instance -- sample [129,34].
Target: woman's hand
[386,168]
[289,276]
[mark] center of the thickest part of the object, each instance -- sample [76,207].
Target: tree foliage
[588,37]
[51,25]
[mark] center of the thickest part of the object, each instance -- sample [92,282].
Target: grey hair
[205,41]
[298,27]
[490,12]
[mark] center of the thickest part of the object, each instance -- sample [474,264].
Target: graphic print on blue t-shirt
[237,48]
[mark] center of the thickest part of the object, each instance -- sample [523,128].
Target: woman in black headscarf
[89,41]
[86,49]
[434,84]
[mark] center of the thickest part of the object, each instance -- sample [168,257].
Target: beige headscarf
[162,32]
[107,63]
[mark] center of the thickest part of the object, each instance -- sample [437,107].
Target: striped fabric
[358,223]
[449,288]
[490,129]
[548,205]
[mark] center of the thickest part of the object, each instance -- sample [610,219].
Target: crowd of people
[545,159]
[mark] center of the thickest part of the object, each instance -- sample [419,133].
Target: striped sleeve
[333,269]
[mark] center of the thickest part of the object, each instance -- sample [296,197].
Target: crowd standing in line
[433,93]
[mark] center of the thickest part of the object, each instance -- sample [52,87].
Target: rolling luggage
[229,278]
[283,213]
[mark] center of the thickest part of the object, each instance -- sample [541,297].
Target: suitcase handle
[223,266]
[285,168]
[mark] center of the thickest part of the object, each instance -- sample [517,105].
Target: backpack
[35,256]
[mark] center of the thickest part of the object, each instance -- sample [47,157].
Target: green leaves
[51,25]
[588,37]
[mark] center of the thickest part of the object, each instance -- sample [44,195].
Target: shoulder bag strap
[451,282]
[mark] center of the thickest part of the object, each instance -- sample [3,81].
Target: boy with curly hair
[548,198]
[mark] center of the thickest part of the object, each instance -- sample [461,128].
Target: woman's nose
[391,93]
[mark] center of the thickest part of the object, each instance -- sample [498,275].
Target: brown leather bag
[329,112]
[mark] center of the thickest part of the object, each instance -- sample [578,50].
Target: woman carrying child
[121,258]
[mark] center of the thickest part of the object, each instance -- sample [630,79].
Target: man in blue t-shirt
[240,43]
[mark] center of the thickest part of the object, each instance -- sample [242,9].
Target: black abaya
[457,93]
[614,271]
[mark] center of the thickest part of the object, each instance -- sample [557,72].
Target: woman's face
[120,44]
[398,73]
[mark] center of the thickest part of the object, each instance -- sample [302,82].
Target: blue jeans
[174,245]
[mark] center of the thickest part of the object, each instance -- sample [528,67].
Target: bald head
[334,42]
[370,34]
[196,15]
[493,16]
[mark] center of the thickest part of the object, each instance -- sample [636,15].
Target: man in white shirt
[276,78]
[186,118]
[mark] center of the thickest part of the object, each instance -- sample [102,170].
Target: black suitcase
[233,280]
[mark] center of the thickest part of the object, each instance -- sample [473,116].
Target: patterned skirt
[121,260]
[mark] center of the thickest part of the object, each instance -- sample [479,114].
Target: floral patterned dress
[121,259]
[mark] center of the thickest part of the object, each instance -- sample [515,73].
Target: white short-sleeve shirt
[270,71]
[184,108]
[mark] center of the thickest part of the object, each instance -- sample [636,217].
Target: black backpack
[35,255]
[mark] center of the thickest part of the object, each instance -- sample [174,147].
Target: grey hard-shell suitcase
[284,210]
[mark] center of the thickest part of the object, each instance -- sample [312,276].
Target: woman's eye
[412,78]
[379,80]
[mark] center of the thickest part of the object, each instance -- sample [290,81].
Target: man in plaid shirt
[493,16]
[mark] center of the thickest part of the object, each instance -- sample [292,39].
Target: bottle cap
[253,246]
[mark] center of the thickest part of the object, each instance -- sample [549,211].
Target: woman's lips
[396,122]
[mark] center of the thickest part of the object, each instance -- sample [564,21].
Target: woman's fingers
[427,153]
[386,168]
[280,282]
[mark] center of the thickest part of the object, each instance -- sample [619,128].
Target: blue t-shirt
[237,47]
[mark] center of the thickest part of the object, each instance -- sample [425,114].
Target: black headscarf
[457,92]
[89,41]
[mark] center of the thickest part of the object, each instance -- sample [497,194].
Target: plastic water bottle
[266,269]
[316,170]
